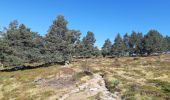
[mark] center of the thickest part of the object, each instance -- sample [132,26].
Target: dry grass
[20,85]
[137,71]
[133,75]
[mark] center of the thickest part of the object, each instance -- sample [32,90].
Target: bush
[115,83]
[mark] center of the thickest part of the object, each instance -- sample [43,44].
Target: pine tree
[126,40]
[60,41]
[72,39]
[88,44]
[19,45]
[27,44]
[153,42]
[118,48]
[96,52]
[139,44]
[106,49]
[54,41]
[9,55]
[135,44]
[166,44]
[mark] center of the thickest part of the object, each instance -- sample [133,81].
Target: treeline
[137,44]
[19,45]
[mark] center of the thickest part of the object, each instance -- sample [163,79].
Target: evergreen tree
[135,44]
[118,48]
[60,41]
[132,43]
[19,46]
[139,44]
[26,43]
[88,44]
[126,40]
[78,49]
[72,39]
[166,44]
[153,42]
[96,52]
[54,41]
[9,55]
[106,49]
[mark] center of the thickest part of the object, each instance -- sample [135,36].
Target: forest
[20,46]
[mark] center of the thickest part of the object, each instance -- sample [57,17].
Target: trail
[91,88]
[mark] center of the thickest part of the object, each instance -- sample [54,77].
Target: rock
[82,87]
[66,63]
[75,91]
[93,89]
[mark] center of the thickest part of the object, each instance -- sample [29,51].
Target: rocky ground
[94,86]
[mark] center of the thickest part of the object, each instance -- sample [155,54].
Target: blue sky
[103,17]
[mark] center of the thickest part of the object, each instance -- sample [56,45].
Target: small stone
[82,87]
[93,89]
[75,91]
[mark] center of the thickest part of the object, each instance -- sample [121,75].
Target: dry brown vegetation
[141,78]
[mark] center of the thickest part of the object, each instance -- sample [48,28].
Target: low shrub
[112,86]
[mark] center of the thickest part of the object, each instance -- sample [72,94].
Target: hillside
[129,78]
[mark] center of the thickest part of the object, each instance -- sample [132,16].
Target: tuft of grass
[165,86]
[112,85]
[86,68]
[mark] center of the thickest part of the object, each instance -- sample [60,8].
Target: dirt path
[91,88]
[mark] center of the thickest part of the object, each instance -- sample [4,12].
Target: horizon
[106,18]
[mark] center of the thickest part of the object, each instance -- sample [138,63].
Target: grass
[17,84]
[133,75]
[142,78]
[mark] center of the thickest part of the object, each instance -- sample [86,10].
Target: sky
[105,18]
